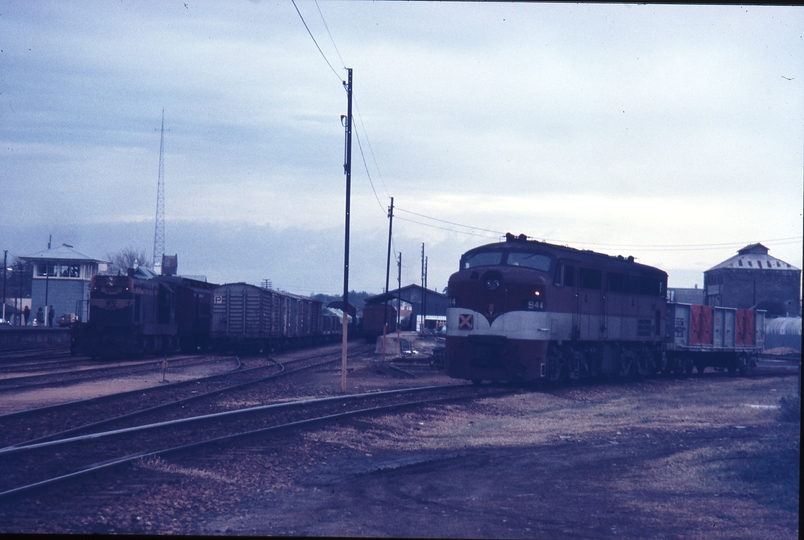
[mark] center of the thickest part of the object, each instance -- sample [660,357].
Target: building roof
[64,252]
[754,257]
[404,294]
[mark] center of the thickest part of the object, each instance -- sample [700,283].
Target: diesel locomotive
[523,311]
[131,316]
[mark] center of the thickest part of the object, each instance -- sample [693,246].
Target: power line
[498,233]
[314,41]
[371,149]
[446,228]
[330,35]
[360,147]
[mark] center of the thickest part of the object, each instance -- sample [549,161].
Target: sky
[668,132]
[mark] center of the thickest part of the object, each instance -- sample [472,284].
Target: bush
[790,408]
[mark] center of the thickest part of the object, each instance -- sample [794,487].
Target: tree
[124,259]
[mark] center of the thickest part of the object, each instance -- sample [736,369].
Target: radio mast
[159,232]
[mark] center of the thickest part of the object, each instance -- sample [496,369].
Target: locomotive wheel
[592,363]
[700,368]
[555,364]
[643,362]
[626,363]
[573,365]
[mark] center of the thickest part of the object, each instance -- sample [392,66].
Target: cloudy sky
[670,133]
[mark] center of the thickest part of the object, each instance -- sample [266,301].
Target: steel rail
[115,399]
[183,401]
[83,375]
[475,392]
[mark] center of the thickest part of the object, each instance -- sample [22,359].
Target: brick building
[754,279]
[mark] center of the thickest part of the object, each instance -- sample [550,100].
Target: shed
[433,304]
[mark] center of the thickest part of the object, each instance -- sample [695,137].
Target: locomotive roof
[521,242]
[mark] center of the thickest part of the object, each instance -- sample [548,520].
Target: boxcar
[193,311]
[253,319]
[374,318]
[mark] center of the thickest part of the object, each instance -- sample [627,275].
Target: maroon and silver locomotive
[524,310]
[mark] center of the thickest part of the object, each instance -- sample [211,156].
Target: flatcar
[713,336]
[526,311]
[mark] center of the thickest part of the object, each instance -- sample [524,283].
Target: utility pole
[388,257]
[347,169]
[159,231]
[424,292]
[5,261]
[47,275]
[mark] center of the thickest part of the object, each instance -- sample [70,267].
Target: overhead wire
[329,34]
[642,247]
[314,41]
[359,143]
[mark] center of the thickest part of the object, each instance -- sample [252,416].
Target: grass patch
[767,469]
[790,408]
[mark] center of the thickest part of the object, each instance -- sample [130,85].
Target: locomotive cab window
[536,261]
[484,258]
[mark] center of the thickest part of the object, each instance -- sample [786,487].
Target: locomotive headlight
[537,293]
[492,281]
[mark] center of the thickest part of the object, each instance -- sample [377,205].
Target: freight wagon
[247,318]
[375,316]
[710,336]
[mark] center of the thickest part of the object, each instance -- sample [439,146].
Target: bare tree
[124,259]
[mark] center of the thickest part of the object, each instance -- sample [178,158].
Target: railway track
[23,354]
[215,393]
[37,465]
[95,372]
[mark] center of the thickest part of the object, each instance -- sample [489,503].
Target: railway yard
[222,445]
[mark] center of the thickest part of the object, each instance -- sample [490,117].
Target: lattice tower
[159,232]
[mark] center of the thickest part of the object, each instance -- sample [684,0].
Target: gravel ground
[703,457]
